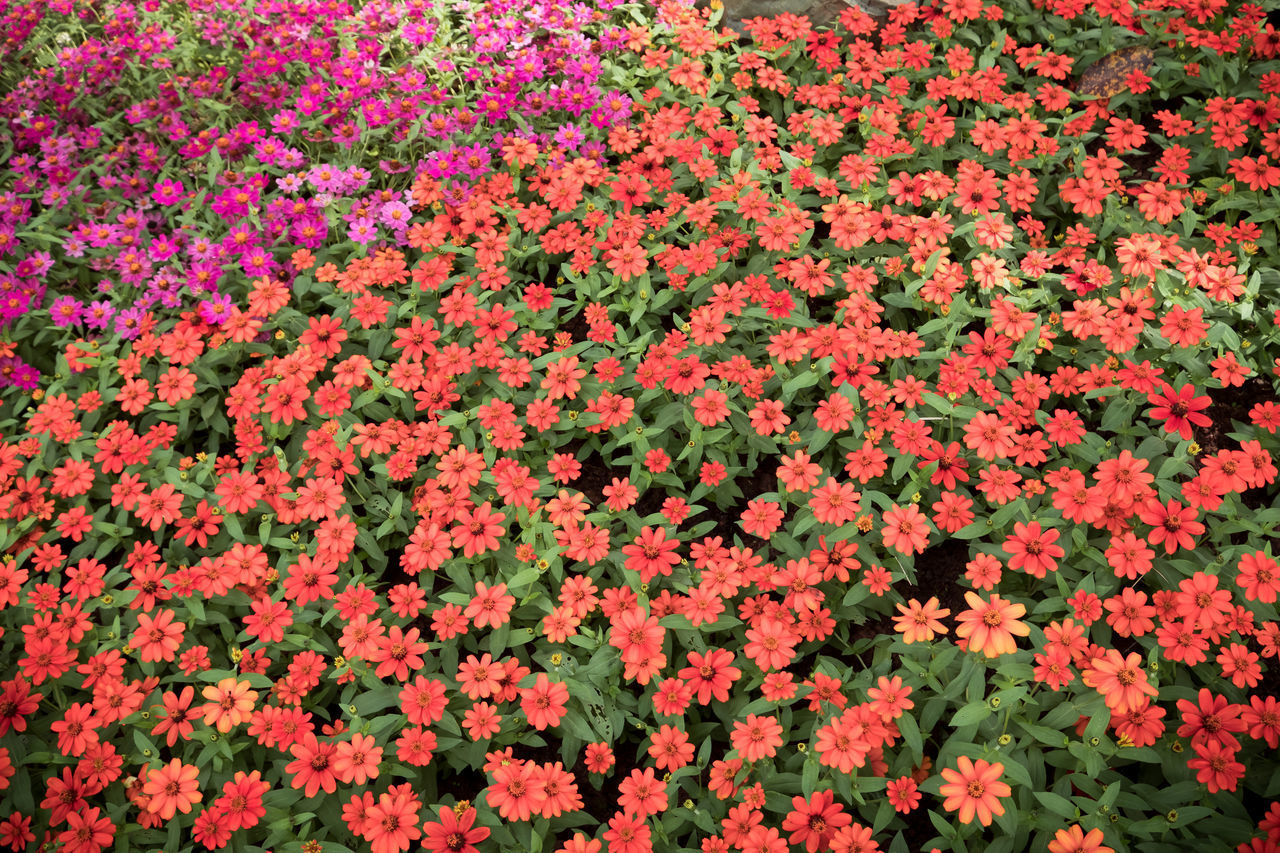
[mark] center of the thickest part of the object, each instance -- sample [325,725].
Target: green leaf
[1059,805]
[371,702]
[911,736]
[1044,734]
[974,712]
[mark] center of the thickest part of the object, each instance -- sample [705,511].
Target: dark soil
[1231,404]
[938,572]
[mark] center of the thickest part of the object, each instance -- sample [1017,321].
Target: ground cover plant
[616,435]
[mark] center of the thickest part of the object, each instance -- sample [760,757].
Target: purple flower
[291,158]
[26,377]
[217,309]
[36,264]
[168,191]
[310,232]
[474,160]
[163,247]
[326,179]
[569,136]
[257,262]
[355,179]
[363,231]
[129,323]
[16,372]
[202,249]
[66,311]
[204,276]
[395,214]
[616,106]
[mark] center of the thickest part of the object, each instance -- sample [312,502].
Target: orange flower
[905,529]
[1121,681]
[919,622]
[158,638]
[989,626]
[1073,839]
[757,737]
[974,788]
[172,788]
[230,703]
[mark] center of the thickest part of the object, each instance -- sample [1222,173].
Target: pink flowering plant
[160,154]
[617,435]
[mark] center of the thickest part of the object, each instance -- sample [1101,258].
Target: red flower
[652,553]
[1217,765]
[454,833]
[711,674]
[904,794]
[1212,719]
[392,823]
[311,767]
[951,464]
[1032,549]
[814,821]
[1172,523]
[478,530]
[1179,410]
[544,703]
[86,832]
[642,794]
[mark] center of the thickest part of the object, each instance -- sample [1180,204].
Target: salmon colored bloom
[670,748]
[1121,680]
[1074,839]
[919,623]
[889,697]
[757,737]
[544,703]
[841,745]
[990,626]
[905,529]
[642,794]
[172,788]
[1180,410]
[974,789]
[455,832]
[1032,548]
[356,761]
[490,606]
[158,637]
[230,704]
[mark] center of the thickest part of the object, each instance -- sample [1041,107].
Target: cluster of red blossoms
[498,534]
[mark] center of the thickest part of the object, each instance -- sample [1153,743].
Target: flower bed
[756,447]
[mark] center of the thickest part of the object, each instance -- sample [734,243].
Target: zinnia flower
[230,704]
[974,789]
[989,626]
